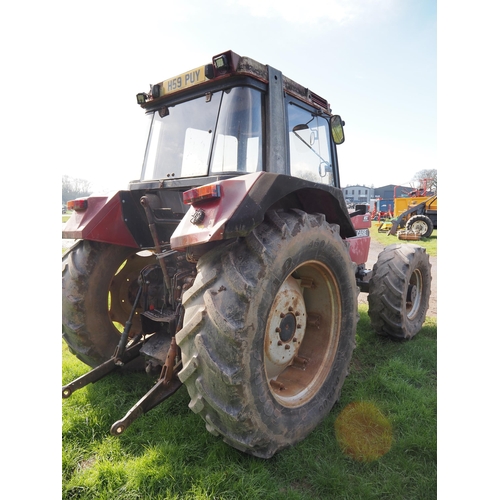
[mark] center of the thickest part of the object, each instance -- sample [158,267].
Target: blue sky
[374,60]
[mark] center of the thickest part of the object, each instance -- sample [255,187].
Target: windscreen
[219,132]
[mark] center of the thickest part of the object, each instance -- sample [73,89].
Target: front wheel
[399,291]
[420,224]
[269,331]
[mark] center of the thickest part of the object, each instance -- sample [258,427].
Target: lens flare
[363,432]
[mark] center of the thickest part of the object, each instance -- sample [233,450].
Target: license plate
[181,82]
[362,232]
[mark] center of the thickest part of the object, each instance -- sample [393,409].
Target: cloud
[338,11]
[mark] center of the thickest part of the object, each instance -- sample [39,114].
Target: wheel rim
[302,334]
[123,290]
[414,294]
[419,227]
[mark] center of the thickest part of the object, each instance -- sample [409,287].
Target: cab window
[309,139]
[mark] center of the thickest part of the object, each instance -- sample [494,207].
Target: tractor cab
[211,122]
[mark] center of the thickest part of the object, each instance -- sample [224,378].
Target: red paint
[217,212]
[362,221]
[102,221]
[359,247]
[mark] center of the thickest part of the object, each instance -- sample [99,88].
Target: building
[387,192]
[358,194]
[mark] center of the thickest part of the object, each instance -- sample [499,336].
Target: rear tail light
[203,193]
[77,205]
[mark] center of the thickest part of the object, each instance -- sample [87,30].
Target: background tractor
[232,265]
[416,212]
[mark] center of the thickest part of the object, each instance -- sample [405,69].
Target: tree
[74,188]
[431,177]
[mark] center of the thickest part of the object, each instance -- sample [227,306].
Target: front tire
[269,330]
[399,291]
[420,224]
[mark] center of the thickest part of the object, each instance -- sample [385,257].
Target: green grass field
[379,441]
[430,244]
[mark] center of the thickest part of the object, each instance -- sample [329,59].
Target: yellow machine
[415,213]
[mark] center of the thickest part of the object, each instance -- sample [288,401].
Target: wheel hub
[414,294]
[286,327]
[420,227]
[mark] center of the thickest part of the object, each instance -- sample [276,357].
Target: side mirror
[337,127]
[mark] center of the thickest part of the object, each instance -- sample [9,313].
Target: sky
[373,60]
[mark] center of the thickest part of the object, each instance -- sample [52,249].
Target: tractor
[232,265]
[416,212]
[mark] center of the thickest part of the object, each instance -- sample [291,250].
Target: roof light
[77,205]
[220,62]
[202,193]
[141,98]
[225,63]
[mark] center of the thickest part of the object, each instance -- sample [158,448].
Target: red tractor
[233,265]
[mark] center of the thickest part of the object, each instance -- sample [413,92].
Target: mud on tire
[99,283]
[399,291]
[269,330]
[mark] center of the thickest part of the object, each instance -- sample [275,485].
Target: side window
[309,138]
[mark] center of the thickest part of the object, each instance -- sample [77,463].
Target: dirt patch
[375,249]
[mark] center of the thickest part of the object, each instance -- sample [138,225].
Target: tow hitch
[167,384]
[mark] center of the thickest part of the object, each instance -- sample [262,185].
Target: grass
[430,244]
[379,441]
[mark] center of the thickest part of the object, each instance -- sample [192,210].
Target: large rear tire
[269,330]
[99,285]
[399,291]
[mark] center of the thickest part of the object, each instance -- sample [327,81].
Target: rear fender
[102,221]
[206,221]
[244,200]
